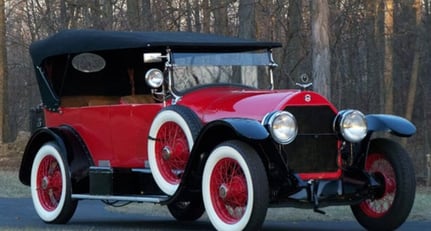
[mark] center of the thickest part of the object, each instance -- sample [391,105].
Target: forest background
[371,55]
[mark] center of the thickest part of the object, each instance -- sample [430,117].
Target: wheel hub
[166,153]
[222,191]
[44,183]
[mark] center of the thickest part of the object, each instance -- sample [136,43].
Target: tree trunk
[294,49]
[147,16]
[247,21]
[133,16]
[206,16]
[415,68]
[189,16]
[3,73]
[373,54]
[388,66]
[411,94]
[197,16]
[220,16]
[247,29]
[107,15]
[321,58]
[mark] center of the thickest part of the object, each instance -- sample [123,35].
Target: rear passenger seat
[137,99]
[94,100]
[88,100]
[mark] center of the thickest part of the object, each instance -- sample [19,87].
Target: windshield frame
[255,58]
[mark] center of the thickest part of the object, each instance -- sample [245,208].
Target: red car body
[181,119]
[99,126]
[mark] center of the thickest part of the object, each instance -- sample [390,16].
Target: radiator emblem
[307,98]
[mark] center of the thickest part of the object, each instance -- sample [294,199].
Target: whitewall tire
[50,185]
[171,139]
[235,187]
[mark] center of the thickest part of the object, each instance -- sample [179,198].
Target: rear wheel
[235,187]
[391,165]
[51,186]
[172,135]
[187,210]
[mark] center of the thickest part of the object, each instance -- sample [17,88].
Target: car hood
[232,102]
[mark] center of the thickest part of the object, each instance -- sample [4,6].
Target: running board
[148,198]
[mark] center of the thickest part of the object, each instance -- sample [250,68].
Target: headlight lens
[282,126]
[352,125]
[154,78]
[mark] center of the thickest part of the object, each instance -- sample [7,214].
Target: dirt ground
[11,153]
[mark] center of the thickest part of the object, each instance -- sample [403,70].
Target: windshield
[191,70]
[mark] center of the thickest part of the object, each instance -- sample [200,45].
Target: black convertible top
[52,58]
[78,41]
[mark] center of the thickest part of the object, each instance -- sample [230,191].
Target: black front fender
[212,134]
[394,124]
[247,128]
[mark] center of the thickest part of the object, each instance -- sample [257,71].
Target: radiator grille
[315,147]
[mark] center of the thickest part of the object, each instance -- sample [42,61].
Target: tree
[147,18]
[374,65]
[220,16]
[206,16]
[3,71]
[133,16]
[321,58]
[247,20]
[415,68]
[388,57]
[295,53]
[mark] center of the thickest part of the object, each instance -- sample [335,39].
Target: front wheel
[171,139]
[390,164]
[235,187]
[51,186]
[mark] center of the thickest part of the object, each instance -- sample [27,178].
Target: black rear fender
[70,145]
[38,138]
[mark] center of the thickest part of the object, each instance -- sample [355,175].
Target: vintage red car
[193,121]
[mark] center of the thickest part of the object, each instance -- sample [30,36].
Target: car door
[129,126]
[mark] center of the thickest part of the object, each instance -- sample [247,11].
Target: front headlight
[282,126]
[351,124]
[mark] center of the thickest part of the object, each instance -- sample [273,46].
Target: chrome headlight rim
[351,125]
[274,123]
[154,78]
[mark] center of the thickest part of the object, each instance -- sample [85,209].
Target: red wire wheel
[51,186]
[228,190]
[171,138]
[172,152]
[49,183]
[235,187]
[390,206]
[382,169]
